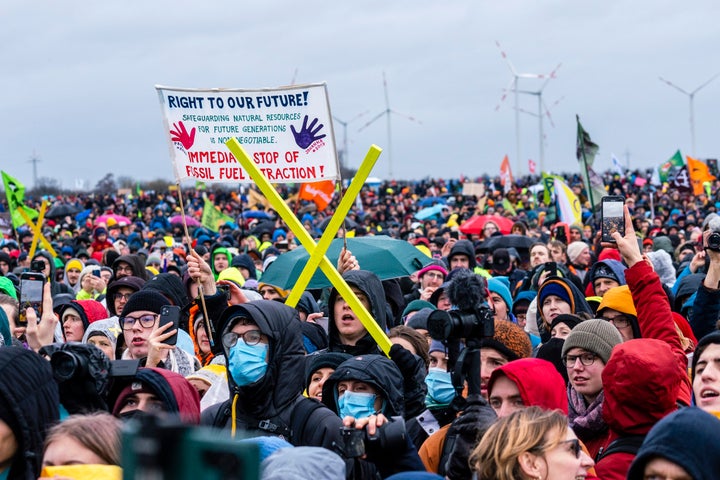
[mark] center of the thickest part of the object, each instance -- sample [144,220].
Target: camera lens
[64,365]
[440,325]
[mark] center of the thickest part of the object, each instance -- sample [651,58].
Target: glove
[464,434]
[414,386]
[404,359]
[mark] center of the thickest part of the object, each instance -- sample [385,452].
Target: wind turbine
[345,155]
[388,112]
[541,104]
[691,96]
[513,87]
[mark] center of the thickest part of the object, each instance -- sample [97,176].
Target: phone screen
[31,296]
[612,218]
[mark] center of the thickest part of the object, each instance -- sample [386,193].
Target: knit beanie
[436,266]
[416,306]
[419,320]
[596,336]
[575,249]
[437,346]
[232,274]
[510,340]
[326,359]
[570,320]
[551,287]
[497,286]
[620,299]
[150,300]
[74,263]
[662,263]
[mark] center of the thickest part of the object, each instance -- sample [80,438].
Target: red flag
[319,192]
[506,177]
[531,166]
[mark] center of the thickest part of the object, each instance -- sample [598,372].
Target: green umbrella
[385,256]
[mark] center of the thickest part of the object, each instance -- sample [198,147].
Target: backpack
[627,444]
[302,409]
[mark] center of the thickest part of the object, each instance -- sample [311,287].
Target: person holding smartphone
[92,285]
[147,340]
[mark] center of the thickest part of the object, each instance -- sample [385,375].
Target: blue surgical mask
[440,387]
[355,404]
[246,363]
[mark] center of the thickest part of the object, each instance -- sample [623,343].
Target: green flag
[674,163]
[15,192]
[212,218]
[586,151]
[548,182]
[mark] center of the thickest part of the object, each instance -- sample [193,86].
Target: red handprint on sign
[180,134]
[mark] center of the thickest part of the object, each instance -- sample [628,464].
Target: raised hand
[180,134]
[308,133]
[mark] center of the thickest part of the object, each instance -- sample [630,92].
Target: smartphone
[560,234]
[96,273]
[551,268]
[613,216]
[31,294]
[455,235]
[170,314]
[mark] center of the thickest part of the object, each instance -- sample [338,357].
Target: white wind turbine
[388,113]
[513,87]
[344,158]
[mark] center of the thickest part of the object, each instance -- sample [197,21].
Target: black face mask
[137,415]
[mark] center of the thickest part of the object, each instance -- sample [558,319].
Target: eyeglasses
[620,321]
[124,269]
[576,448]
[251,337]
[146,321]
[586,359]
[122,296]
[435,275]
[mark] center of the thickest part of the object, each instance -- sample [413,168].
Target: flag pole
[208,328]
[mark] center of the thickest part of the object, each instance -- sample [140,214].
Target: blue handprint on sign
[307,134]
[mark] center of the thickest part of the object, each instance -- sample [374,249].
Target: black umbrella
[265,226]
[518,242]
[349,224]
[62,210]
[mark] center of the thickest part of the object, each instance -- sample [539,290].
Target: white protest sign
[287,131]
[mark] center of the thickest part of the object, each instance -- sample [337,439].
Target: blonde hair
[99,432]
[531,429]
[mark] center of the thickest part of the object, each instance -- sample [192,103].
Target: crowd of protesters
[596,359]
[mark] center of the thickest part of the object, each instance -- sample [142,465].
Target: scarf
[585,420]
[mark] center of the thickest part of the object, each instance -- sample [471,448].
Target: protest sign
[287,131]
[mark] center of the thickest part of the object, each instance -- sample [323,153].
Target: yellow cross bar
[37,231]
[307,241]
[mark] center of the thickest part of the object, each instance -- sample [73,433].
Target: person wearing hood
[92,285]
[71,277]
[262,343]
[524,383]
[557,296]
[604,275]
[29,405]
[104,335]
[683,445]
[220,260]
[172,288]
[76,317]
[318,368]
[706,308]
[462,255]
[368,386]
[641,383]
[246,265]
[347,334]
[129,265]
[119,291]
[49,272]
[156,391]
[100,242]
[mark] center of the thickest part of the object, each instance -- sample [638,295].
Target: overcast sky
[78,78]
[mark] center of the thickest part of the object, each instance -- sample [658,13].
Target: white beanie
[575,249]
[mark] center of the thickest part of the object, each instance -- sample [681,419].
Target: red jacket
[655,317]
[644,378]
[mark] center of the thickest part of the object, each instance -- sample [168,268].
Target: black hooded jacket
[29,404]
[272,400]
[170,285]
[244,261]
[369,284]
[135,261]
